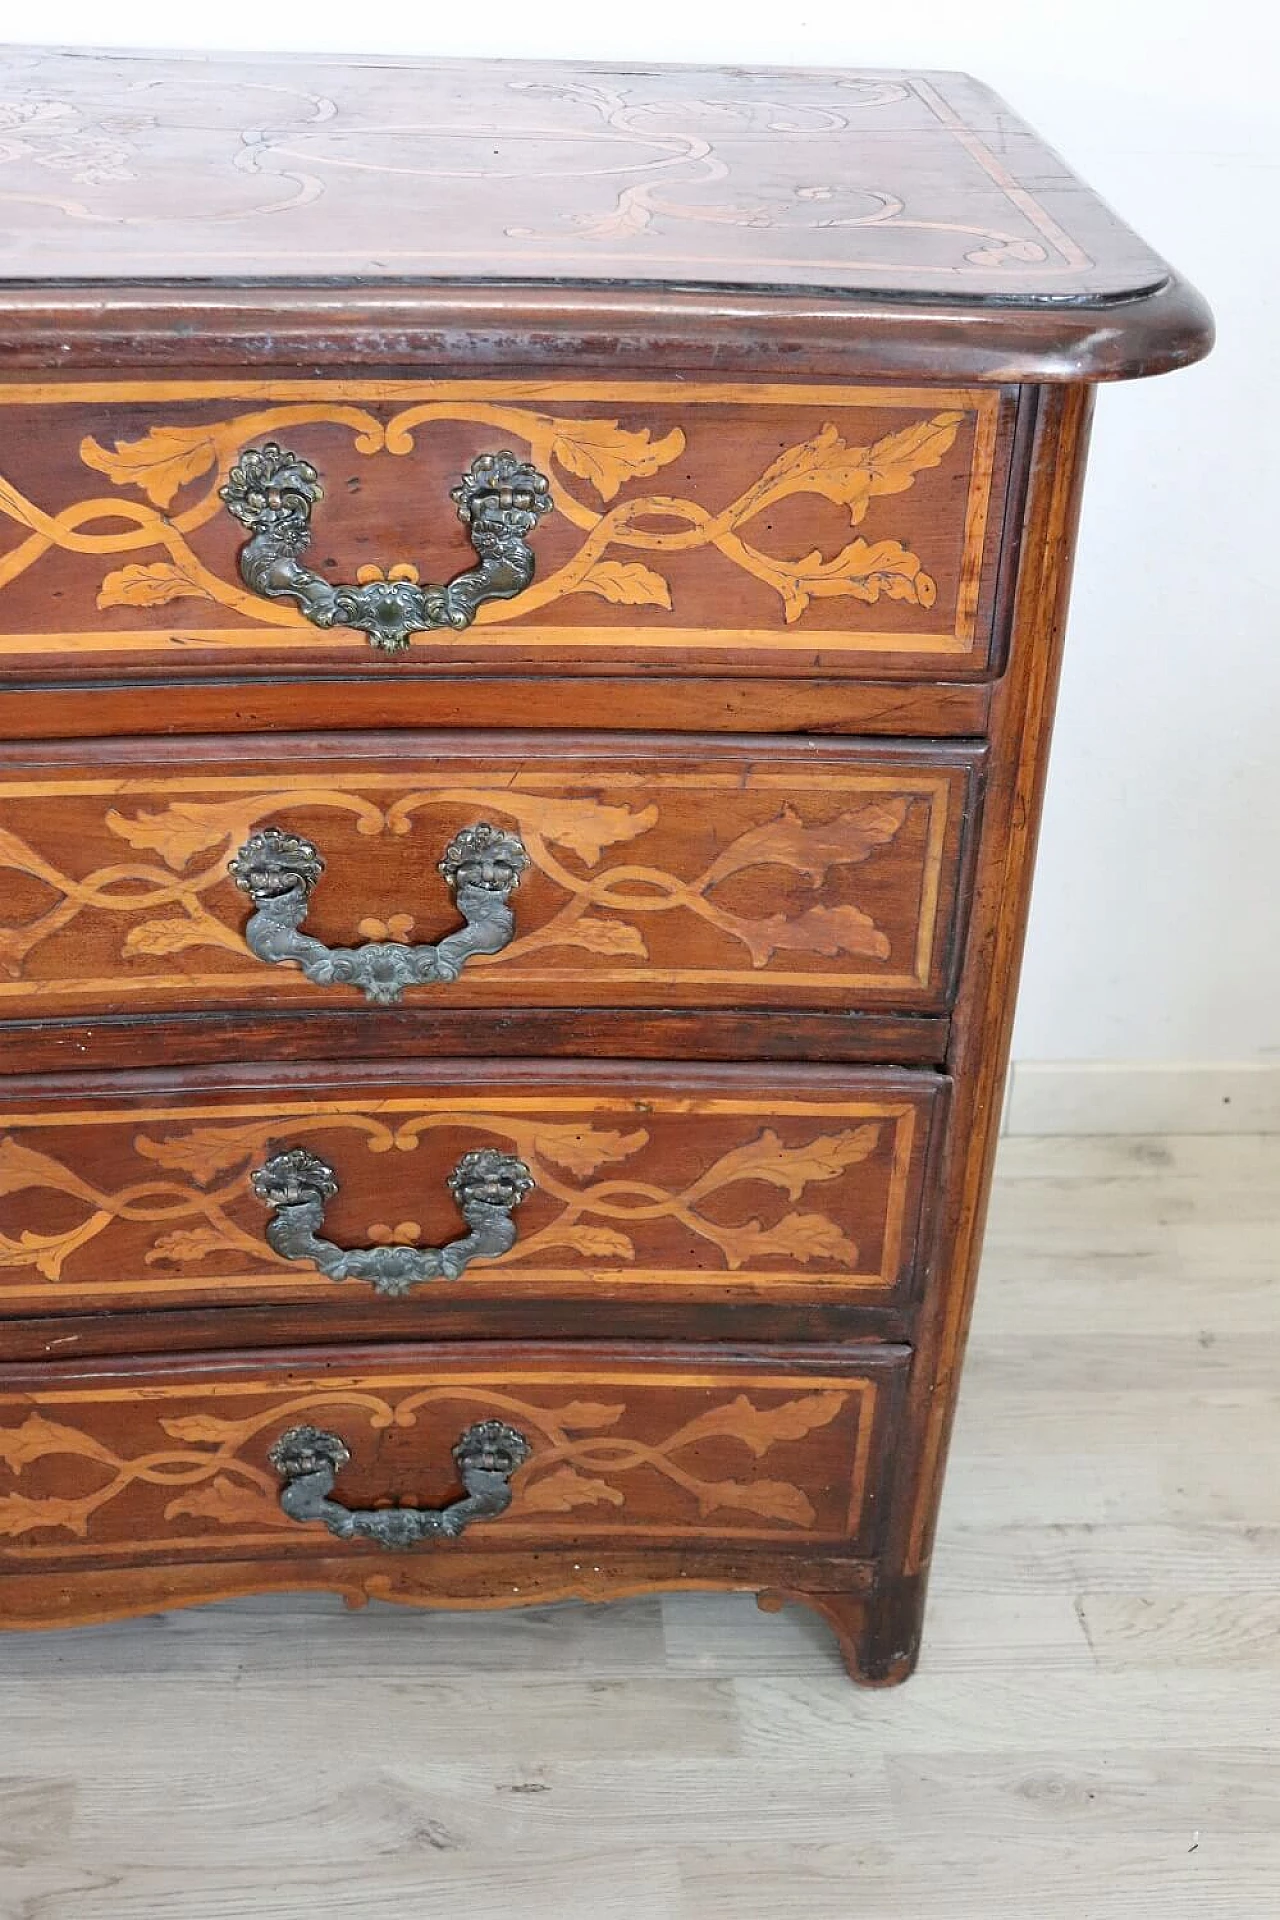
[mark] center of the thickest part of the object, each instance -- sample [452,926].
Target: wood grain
[574,329]
[978,1049]
[939,238]
[519,1033]
[104,703]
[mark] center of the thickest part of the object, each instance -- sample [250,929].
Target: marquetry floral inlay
[577,1461]
[195,839]
[603,456]
[210,1212]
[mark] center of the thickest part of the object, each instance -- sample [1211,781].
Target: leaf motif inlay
[231,1503]
[566,1488]
[761,1428]
[186,827]
[583,1148]
[158,937]
[770,1499]
[577,1456]
[21,1513]
[205,1152]
[152,585]
[37,1437]
[626,584]
[602,455]
[160,463]
[812,848]
[797,1236]
[184,1246]
[823,930]
[23,1167]
[607,455]
[586,827]
[793,1168]
[205,1217]
[202,1428]
[612,939]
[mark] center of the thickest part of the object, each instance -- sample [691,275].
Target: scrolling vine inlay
[806,516]
[602,454]
[586,1455]
[810,825]
[610,1208]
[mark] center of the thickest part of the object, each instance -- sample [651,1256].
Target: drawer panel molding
[776,874]
[659,1182]
[184,1459]
[780,527]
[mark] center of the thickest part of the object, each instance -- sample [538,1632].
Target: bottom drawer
[461,1448]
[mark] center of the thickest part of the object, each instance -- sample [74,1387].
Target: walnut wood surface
[979,1046]
[517,1033]
[662,873]
[869,223]
[876,181]
[816,419]
[633,1314]
[834,1583]
[100,705]
[164,1462]
[710,526]
[570,329]
[669,1184]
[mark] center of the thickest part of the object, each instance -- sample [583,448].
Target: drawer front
[695,526]
[157,1461]
[668,1185]
[776,873]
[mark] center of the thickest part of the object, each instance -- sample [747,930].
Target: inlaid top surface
[133,167]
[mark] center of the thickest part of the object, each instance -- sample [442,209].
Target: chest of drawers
[500,1076]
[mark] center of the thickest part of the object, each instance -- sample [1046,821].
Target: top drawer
[698,527]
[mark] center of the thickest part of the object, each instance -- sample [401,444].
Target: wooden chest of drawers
[500,1077]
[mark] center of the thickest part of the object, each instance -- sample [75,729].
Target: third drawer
[483,1192]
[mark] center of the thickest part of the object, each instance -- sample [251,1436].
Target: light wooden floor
[1093,1732]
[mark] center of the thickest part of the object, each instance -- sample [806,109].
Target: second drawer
[445,871]
[466,1186]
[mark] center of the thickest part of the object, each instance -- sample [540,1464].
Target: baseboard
[1142,1096]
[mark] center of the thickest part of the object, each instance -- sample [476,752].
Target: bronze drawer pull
[487,1185]
[499,501]
[278,869]
[310,1460]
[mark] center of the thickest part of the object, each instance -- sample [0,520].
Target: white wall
[1157,921]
